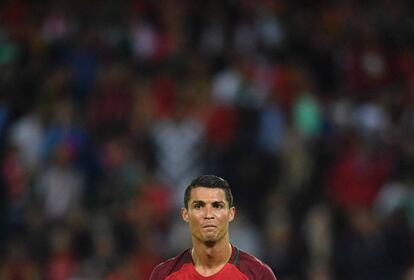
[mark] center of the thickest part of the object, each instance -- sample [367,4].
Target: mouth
[209,226]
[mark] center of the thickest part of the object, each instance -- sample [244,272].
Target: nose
[209,213]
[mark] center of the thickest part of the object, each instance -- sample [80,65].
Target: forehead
[207,194]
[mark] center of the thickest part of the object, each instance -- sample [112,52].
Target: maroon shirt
[241,266]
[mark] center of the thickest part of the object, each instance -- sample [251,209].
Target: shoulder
[252,266]
[169,266]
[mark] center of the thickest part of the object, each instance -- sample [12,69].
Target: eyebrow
[198,202]
[218,203]
[203,202]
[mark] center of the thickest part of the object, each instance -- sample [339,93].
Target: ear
[232,213]
[184,214]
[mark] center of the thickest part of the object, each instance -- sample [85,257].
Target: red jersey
[241,266]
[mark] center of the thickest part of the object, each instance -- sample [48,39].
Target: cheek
[194,219]
[224,218]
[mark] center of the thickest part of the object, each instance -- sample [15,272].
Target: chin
[211,239]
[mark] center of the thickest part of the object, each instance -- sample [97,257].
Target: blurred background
[109,108]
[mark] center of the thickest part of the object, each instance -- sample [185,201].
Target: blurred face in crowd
[208,214]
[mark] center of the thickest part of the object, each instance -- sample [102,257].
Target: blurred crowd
[109,108]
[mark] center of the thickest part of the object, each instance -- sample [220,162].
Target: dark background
[109,108]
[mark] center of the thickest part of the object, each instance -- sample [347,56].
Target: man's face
[208,214]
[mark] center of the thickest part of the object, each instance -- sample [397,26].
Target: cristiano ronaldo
[208,210]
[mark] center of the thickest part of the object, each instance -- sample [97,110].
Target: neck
[211,256]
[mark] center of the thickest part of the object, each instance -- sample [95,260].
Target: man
[208,211]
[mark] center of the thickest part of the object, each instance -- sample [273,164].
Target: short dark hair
[209,181]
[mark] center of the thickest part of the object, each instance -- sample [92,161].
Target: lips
[209,226]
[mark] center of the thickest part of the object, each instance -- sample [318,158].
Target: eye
[218,205]
[198,206]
